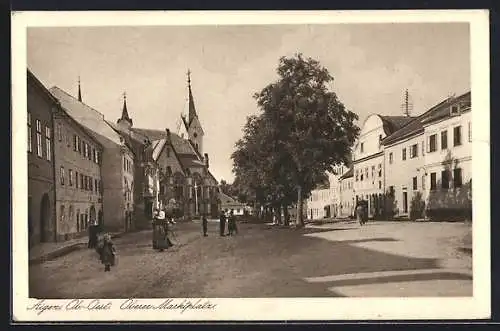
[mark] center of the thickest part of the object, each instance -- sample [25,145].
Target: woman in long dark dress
[108,253]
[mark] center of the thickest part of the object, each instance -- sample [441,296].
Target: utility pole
[407,105]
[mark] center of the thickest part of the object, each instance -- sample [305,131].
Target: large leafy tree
[305,130]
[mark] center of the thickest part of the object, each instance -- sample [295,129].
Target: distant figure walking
[222,223]
[361,213]
[107,252]
[204,223]
[231,225]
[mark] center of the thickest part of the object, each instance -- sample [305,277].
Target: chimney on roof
[79,90]
[206,160]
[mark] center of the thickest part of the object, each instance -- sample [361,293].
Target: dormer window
[454,110]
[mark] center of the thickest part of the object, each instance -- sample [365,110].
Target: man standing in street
[92,243]
[204,224]
[222,223]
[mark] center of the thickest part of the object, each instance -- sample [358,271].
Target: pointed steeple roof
[192,109]
[79,90]
[125,116]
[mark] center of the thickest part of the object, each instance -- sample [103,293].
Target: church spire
[125,117]
[79,90]
[192,109]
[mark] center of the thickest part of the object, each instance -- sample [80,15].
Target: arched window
[179,181]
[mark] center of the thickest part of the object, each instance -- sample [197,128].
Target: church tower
[125,121]
[192,123]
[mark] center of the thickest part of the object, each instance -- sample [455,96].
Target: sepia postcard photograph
[239,166]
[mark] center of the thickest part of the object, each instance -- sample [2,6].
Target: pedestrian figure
[163,240]
[361,213]
[235,228]
[107,252]
[222,223]
[92,243]
[204,223]
[231,225]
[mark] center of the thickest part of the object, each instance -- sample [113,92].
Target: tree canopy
[302,131]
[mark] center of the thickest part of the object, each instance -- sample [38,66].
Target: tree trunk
[300,216]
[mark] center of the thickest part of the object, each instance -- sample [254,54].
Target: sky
[372,65]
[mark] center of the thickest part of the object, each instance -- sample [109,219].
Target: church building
[171,170]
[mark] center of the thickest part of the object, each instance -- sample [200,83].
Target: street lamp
[195,198]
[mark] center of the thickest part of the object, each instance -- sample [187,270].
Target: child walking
[108,252]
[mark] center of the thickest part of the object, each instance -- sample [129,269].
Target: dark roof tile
[417,124]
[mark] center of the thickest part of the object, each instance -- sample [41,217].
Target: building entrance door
[405,202]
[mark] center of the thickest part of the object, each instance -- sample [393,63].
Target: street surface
[344,259]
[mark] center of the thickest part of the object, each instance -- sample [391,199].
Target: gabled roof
[157,146]
[416,126]
[394,123]
[32,78]
[227,200]
[85,130]
[87,116]
[348,174]
[412,128]
[444,111]
[181,146]
[190,162]
[131,135]
[215,180]
[61,110]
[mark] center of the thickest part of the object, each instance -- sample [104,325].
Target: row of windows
[78,145]
[363,175]
[127,165]
[83,148]
[82,219]
[79,180]
[432,143]
[320,196]
[457,138]
[39,139]
[345,185]
[447,180]
[129,189]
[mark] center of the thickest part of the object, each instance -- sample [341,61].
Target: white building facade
[319,203]
[428,162]
[368,160]
[346,195]
[404,161]
[448,160]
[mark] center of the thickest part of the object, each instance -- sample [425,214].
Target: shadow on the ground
[360,241]
[255,263]
[307,230]
[399,278]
